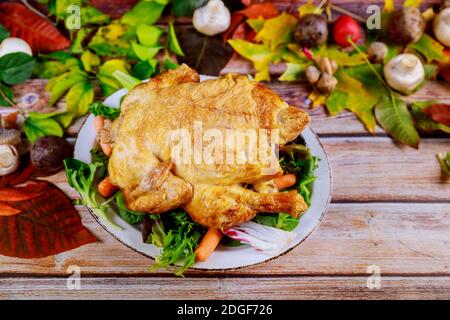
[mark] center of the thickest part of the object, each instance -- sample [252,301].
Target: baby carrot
[106,148]
[99,122]
[209,242]
[106,188]
[285,181]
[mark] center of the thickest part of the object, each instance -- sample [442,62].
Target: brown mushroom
[406,26]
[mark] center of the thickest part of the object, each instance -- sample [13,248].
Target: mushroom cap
[441,27]
[404,73]
[9,159]
[9,136]
[212,19]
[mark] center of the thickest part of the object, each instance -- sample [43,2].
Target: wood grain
[400,239]
[228,288]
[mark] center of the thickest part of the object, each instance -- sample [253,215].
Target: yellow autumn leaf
[259,54]
[309,8]
[412,3]
[316,99]
[278,30]
[389,5]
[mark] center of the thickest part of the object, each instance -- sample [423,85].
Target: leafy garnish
[99,109]
[278,220]
[179,237]
[132,217]
[80,176]
[297,159]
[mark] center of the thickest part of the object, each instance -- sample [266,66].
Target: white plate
[223,257]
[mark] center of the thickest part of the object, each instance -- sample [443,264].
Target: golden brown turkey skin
[145,165]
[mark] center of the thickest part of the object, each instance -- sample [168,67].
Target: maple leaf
[43,225]
[260,54]
[430,49]
[278,30]
[358,91]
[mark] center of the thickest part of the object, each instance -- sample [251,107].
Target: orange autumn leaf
[7,210]
[15,194]
[263,10]
[440,113]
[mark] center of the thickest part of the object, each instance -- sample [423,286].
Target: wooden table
[390,213]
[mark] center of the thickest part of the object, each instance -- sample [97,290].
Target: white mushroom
[212,19]
[12,45]
[9,159]
[441,27]
[404,73]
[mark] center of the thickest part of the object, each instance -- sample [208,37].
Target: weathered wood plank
[401,239]
[373,169]
[227,288]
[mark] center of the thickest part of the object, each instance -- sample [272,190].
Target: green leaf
[278,30]
[149,35]
[99,109]
[129,216]
[108,83]
[278,220]
[143,52]
[77,44]
[293,72]
[423,121]
[16,67]
[393,115]
[186,7]
[89,60]
[35,128]
[444,162]
[144,69]
[170,65]
[64,119]
[342,58]
[113,40]
[260,54]
[174,45]
[4,33]
[256,24]
[61,84]
[79,97]
[358,91]
[430,49]
[6,96]
[80,176]
[126,80]
[91,15]
[145,12]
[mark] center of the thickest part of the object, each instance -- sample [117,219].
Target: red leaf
[22,175]
[114,8]
[23,23]
[264,10]
[30,191]
[48,225]
[445,68]
[236,20]
[7,210]
[439,113]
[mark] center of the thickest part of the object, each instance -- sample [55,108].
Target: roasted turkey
[219,182]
